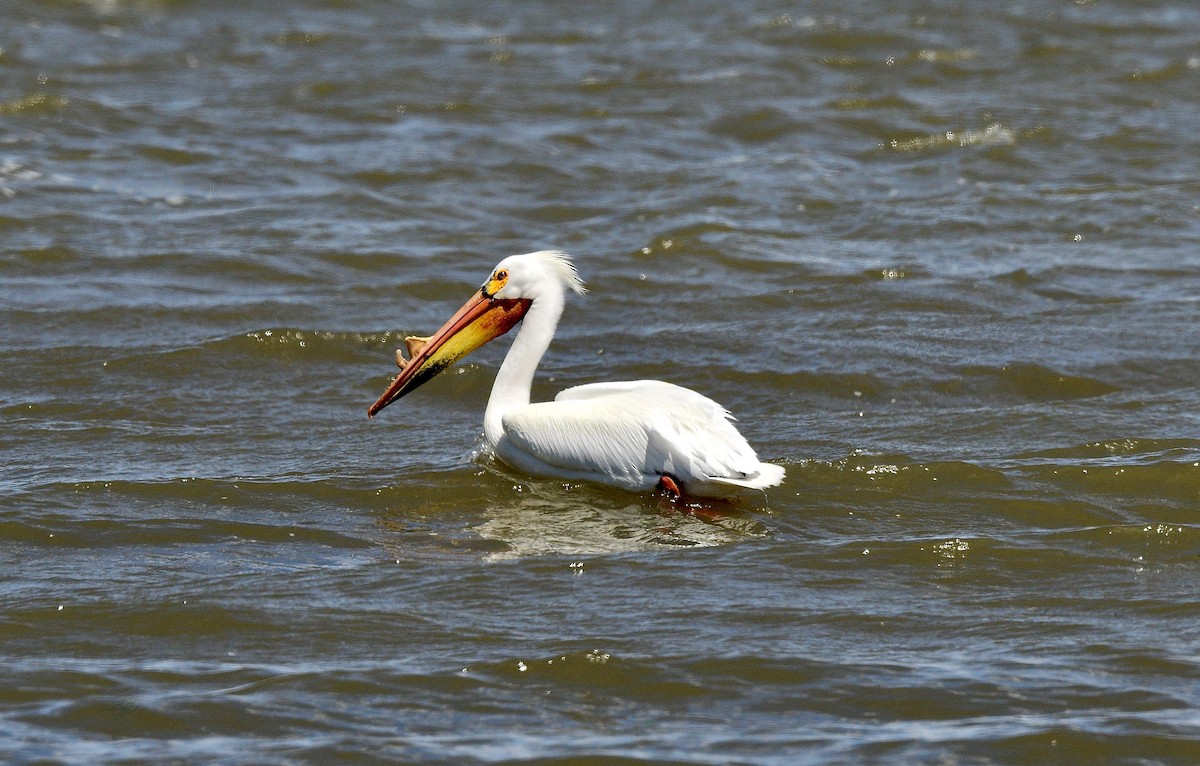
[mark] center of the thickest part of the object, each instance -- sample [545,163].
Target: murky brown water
[941,259]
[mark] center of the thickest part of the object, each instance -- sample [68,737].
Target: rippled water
[941,259]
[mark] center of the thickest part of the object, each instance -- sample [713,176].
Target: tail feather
[769,475]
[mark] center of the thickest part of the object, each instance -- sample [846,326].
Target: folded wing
[637,431]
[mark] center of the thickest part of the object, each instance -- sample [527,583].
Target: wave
[1155,481]
[268,344]
[105,533]
[894,474]
[1125,450]
[1146,483]
[1027,381]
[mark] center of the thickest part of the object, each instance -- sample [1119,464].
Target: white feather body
[632,433]
[626,434]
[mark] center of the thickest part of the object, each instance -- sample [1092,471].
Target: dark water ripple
[940,260]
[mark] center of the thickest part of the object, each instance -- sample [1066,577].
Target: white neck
[515,378]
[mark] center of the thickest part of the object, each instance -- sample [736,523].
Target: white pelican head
[531,276]
[501,302]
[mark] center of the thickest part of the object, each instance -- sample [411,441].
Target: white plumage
[626,434]
[636,435]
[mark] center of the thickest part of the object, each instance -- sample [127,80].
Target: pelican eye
[496,283]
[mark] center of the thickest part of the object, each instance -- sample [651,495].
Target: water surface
[940,259]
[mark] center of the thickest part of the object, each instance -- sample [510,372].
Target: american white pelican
[637,435]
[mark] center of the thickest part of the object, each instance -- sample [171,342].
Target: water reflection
[540,517]
[499,514]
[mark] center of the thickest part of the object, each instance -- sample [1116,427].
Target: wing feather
[638,430]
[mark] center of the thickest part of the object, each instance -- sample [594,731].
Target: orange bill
[480,320]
